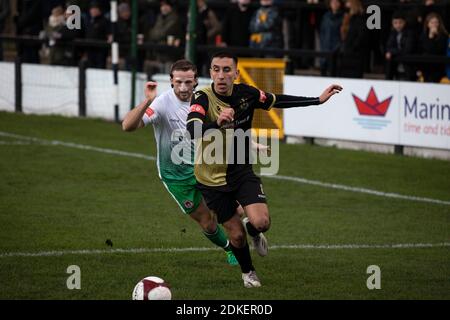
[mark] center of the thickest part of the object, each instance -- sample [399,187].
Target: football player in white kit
[168,113]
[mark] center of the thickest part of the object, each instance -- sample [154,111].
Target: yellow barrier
[267,75]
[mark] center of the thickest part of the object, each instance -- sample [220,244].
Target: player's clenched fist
[150,90]
[225,117]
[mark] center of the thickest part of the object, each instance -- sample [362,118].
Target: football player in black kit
[226,107]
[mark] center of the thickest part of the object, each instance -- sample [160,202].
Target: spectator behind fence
[97,29]
[330,36]
[433,41]
[29,22]
[146,16]
[4,14]
[265,27]
[353,35]
[167,30]
[124,30]
[236,24]
[209,26]
[401,41]
[69,55]
[415,14]
[208,33]
[147,20]
[49,5]
[55,25]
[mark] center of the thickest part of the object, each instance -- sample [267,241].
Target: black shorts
[248,190]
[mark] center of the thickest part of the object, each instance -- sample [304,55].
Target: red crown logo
[372,107]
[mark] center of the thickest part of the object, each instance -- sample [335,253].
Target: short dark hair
[183,65]
[399,15]
[225,54]
[96,4]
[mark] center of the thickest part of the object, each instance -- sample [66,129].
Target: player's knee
[262,224]
[237,239]
[209,228]
[208,225]
[205,220]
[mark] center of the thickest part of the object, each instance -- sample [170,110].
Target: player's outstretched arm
[329,92]
[133,119]
[286,101]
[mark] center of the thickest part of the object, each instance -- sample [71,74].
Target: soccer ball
[152,288]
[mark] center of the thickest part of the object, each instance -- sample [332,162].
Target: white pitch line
[15,143]
[202,249]
[277,177]
[362,246]
[358,190]
[78,146]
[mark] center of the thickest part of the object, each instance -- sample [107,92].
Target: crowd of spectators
[409,27]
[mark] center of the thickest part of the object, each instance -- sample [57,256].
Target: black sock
[251,230]
[243,257]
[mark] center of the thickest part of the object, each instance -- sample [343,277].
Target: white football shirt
[168,115]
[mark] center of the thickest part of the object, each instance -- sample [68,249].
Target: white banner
[49,90]
[7,86]
[403,113]
[425,115]
[54,90]
[391,112]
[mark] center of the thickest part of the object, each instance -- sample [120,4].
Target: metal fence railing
[82,44]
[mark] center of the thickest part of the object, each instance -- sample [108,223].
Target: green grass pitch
[56,198]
